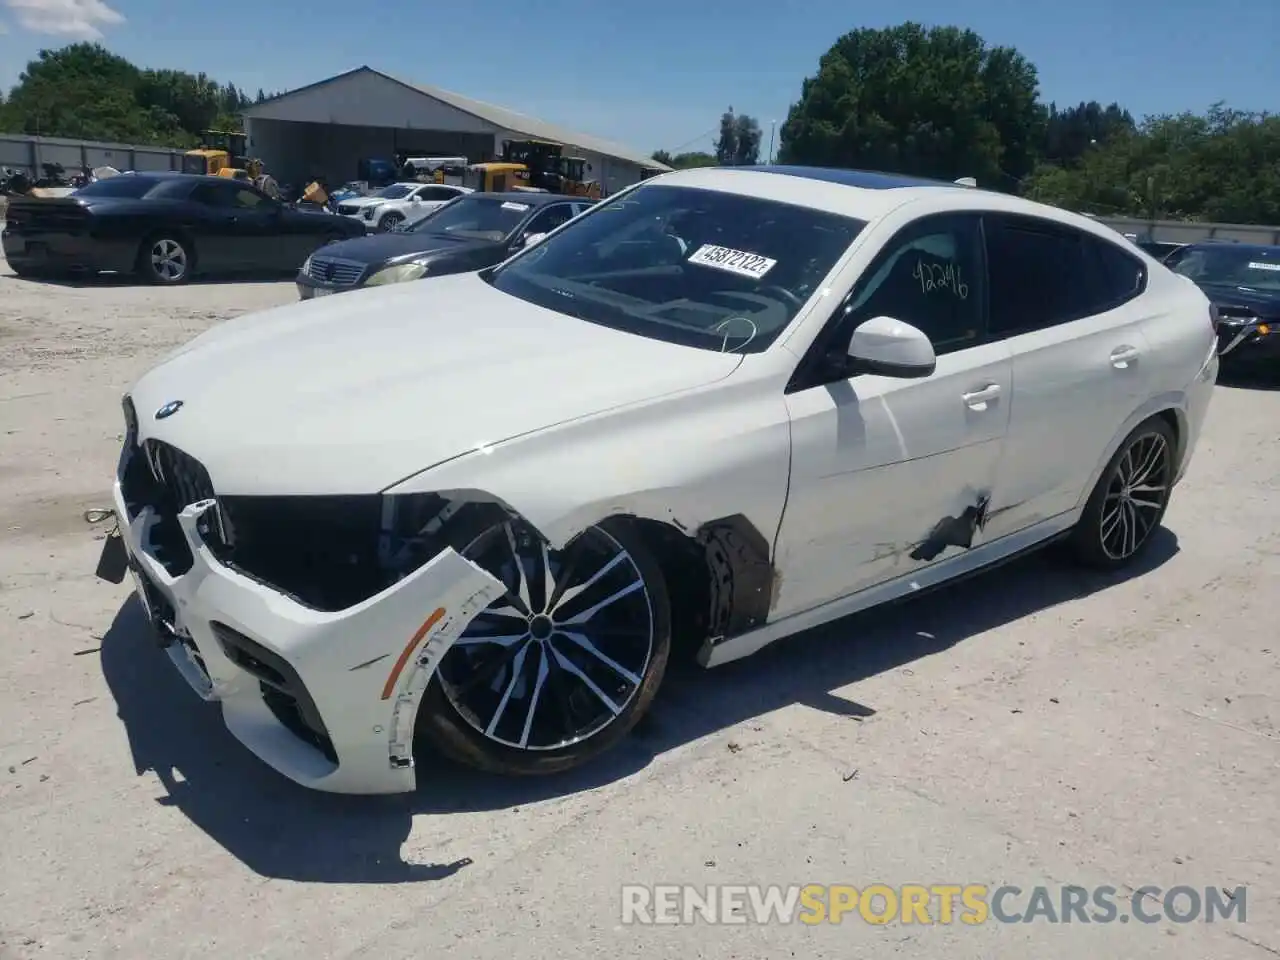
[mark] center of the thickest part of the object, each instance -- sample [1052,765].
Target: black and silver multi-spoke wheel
[1130,498]
[563,665]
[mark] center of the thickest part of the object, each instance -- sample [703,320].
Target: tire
[390,221]
[1116,526]
[522,706]
[160,255]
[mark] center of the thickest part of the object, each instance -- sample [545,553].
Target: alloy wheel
[561,655]
[1136,496]
[168,260]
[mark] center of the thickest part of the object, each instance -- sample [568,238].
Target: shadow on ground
[281,830]
[84,280]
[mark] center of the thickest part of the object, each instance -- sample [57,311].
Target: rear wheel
[1130,498]
[165,260]
[563,666]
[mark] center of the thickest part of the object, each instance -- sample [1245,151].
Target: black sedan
[164,228]
[1243,282]
[470,233]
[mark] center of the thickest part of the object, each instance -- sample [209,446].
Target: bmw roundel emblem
[169,409]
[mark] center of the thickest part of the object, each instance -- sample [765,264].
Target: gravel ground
[1033,726]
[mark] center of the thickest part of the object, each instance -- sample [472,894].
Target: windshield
[713,270]
[122,186]
[1257,268]
[397,191]
[476,218]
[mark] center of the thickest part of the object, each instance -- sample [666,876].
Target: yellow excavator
[222,153]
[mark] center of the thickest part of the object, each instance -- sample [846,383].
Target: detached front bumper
[327,699]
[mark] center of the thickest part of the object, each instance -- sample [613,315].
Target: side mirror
[891,348]
[415,198]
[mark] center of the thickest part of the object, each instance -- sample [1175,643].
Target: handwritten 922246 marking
[937,276]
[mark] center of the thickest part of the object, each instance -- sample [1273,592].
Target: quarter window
[929,276]
[1043,274]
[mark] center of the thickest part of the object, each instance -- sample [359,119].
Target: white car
[724,405]
[393,205]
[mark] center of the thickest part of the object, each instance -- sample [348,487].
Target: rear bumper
[327,699]
[66,251]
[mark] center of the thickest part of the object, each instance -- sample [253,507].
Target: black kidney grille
[182,477]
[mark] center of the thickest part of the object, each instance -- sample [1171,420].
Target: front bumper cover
[358,674]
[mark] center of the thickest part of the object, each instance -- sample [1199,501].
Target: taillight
[1214,318]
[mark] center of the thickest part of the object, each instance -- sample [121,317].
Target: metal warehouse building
[328,127]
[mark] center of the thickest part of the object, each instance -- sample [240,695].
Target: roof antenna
[967,182]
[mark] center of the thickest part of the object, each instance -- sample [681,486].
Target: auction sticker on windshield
[741,262]
[1261,265]
[518,207]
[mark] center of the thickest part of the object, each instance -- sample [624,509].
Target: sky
[659,74]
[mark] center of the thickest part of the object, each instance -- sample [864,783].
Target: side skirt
[719,650]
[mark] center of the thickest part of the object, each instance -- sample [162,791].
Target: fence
[1185,231]
[21,152]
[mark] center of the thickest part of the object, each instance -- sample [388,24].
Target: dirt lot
[1035,726]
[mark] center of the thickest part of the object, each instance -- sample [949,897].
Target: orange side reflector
[407,652]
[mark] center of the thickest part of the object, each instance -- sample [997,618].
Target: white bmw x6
[473,512]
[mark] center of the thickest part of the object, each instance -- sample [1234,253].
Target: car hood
[353,394]
[1263,303]
[381,247]
[362,201]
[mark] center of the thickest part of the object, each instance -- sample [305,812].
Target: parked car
[165,228]
[1159,249]
[725,405]
[394,204]
[475,231]
[1243,281]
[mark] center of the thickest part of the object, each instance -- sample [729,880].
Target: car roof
[867,194]
[1236,245]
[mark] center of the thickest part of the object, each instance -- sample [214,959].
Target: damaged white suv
[724,406]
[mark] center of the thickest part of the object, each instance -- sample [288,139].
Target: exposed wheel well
[1170,416]
[720,580]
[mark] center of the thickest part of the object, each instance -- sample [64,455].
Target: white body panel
[451,386]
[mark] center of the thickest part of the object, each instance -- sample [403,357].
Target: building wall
[299,152]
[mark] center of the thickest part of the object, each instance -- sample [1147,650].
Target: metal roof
[501,117]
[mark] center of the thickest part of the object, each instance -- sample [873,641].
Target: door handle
[978,399]
[1121,357]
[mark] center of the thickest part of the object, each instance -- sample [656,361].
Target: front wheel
[564,665]
[165,260]
[1129,500]
[390,222]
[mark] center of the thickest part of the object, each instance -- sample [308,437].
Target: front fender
[684,461]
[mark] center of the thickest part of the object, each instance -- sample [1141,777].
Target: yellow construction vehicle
[573,179]
[222,153]
[497,177]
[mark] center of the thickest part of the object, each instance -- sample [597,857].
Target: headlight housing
[398,273]
[305,269]
[367,212]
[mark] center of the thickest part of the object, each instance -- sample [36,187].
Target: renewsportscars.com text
[942,904]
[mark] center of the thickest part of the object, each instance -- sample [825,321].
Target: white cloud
[69,18]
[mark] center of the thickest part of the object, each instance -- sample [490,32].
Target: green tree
[747,140]
[925,101]
[727,141]
[83,90]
